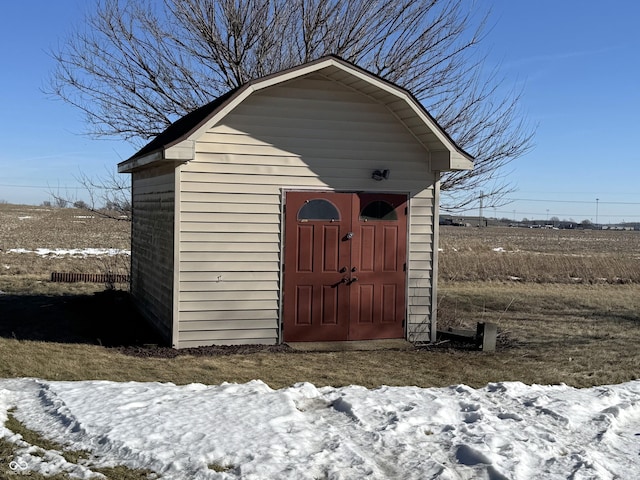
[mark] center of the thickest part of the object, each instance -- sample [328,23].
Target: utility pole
[597,200]
[480,212]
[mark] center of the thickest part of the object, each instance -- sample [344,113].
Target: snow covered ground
[502,431]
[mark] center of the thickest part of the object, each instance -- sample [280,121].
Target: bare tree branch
[138,65]
[109,196]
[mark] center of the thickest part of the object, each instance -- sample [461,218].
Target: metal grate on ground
[89,277]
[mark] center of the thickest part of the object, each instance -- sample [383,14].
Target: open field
[552,328]
[539,255]
[57,233]
[30,227]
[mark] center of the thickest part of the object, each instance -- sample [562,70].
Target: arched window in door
[378,210]
[318,209]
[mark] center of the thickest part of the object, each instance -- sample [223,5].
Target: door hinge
[406,209]
[404,267]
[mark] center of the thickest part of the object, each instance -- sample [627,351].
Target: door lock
[349,236]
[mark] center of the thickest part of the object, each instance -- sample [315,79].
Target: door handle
[352,279]
[343,280]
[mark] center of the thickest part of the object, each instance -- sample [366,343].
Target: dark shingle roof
[179,129]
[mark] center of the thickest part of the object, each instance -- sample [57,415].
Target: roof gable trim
[181,147]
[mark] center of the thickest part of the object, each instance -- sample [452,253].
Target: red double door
[345,262]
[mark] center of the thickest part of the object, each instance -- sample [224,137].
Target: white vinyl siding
[420,266]
[305,134]
[152,254]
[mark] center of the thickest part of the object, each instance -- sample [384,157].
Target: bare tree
[137,65]
[60,202]
[109,196]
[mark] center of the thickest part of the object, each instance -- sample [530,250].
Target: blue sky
[577,60]
[579,63]
[43,146]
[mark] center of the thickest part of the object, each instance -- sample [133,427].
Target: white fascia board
[457,160]
[460,162]
[128,166]
[445,160]
[297,72]
[179,153]
[402,95]
[260,85]
[223,112]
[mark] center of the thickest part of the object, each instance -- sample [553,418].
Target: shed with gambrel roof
[301,206]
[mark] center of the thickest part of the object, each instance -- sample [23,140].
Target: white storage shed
[302,206]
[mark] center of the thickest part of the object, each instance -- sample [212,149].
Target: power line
[540,215]
[61,187]
[580,202]
[566,192]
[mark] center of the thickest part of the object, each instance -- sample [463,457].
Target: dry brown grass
[536,255]
[566,331]
[577,334]
[30,228]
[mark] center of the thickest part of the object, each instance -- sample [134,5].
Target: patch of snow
[515,279]
[498,249]
[19,250]
[74,252]
[84,216]
[505,430]
[441,249]
[25,217]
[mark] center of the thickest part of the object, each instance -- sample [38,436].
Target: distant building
[464,221]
